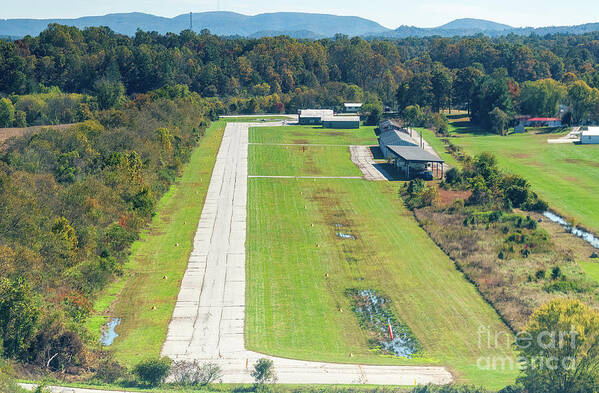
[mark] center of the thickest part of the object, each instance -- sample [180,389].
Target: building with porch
[394,138]
[413,162]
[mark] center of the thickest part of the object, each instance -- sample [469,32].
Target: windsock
[390,329]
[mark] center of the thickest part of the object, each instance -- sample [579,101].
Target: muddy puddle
[108,333]
[387,333]
[343,235]
[346,236]
[586,236]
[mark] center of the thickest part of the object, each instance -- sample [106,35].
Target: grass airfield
[298,267]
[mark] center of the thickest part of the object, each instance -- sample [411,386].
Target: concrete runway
[208,320]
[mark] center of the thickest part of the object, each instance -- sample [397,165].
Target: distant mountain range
[468,27]
[298,25]
[294,24]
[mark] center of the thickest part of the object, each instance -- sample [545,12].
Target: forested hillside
[282,74]
[72,203]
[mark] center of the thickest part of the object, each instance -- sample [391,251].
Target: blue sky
[424,13]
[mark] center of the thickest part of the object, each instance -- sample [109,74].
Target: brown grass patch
[579,161]
[7,133]
[447,197]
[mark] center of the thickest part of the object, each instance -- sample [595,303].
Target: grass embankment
[143,297]
[298,270]
[313,135]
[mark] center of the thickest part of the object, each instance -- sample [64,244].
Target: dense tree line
[474,73]
[72,203]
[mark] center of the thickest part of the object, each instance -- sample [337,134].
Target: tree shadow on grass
[466,127]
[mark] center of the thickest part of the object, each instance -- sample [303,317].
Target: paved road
[208,320]
[362,157]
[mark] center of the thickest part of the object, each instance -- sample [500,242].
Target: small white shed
[590,137]
[352,107]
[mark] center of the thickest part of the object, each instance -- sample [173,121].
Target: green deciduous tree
[152,372]
[542,97]
[441,82]
[7,112]
[18,316]
[464,85]
[583,99]
[499,121]
[264,372]
[560,346]
[109,92]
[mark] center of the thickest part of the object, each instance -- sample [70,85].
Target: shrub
[540,274]
[453,176]
[556,273]
[264,372]
[568,286]
[152,372]
[415,186]
[535,205]
[194,373]
[110,371]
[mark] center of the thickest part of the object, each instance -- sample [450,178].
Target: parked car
[426,175]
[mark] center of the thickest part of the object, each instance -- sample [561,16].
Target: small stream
[586,236]
[108,333]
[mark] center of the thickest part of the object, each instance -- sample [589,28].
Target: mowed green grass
[298,270]
[591,269]
[565,175]
[313,135]
[143,298]
[439,146]
[273,160]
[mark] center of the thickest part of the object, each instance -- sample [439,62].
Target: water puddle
[345,236]
[108,333]
[588,237]
[387,333]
